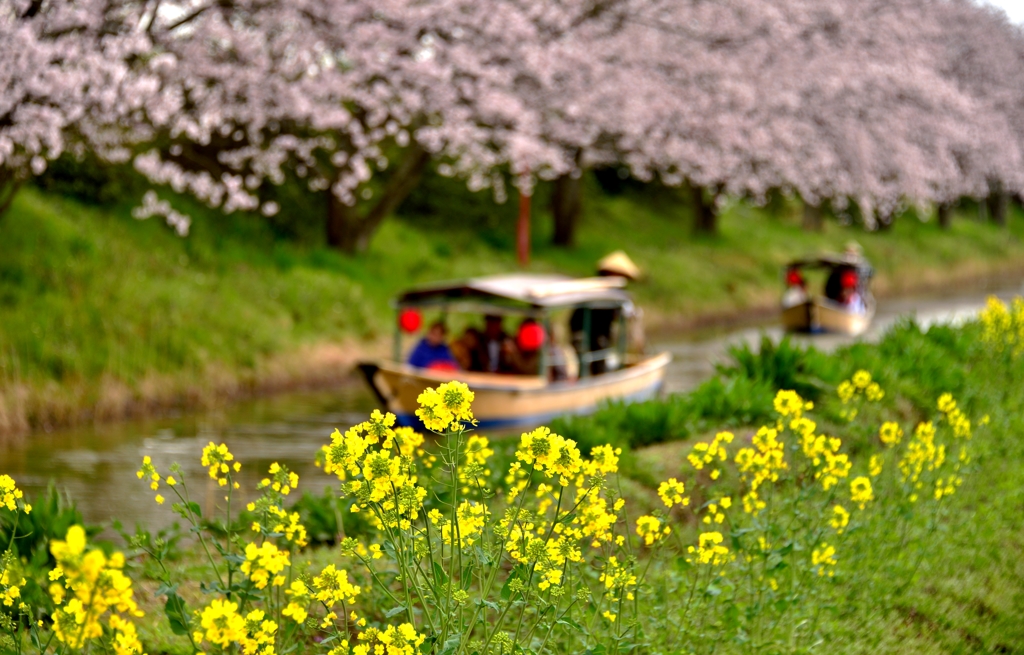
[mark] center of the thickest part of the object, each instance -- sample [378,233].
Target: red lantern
[848,279]
[793,278]
[531,337]
[410,320]
[443,366]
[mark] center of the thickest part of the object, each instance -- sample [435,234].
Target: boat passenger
[495,347]
[466,350]
[524,356]
[849,296]
[852,301]
[432,351]
[796,289]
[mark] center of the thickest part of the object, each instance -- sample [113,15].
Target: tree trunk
[705,216]
[523,230]
[884,220]
[566,208]
[997,204]
[350,230]
[813,219]
[945,215]
[9,185]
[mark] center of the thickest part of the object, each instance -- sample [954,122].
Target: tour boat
[846,274]
[616,372]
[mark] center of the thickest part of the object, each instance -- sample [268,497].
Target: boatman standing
[602,321]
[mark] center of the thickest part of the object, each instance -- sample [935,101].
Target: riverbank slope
[103,316]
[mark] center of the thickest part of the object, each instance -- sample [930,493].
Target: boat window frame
[542,315]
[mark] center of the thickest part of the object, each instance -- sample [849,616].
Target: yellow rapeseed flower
[840,518]
[824,560]
[709,549]
[11,496]
[890,433]
[671,493]
[649,528]
[860,491]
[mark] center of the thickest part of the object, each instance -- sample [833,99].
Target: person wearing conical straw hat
[618,263]
[594,333]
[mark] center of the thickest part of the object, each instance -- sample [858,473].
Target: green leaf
[450,645]
[177,615]
[440,577]
[394,611]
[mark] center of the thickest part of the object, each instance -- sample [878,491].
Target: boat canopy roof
[523,291]
[830,260]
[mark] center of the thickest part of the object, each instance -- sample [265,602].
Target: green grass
[967,594]
[964,596]
[104,315]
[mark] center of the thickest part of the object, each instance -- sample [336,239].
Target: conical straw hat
[619,263]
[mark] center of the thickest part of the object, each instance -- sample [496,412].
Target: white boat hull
[514,401]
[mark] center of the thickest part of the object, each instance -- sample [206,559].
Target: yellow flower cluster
[603,461]
[671,493]
[840,518]
[823,558]
[11,496]
[220,462]
[277,521]
[548,542]
[593,519]
[704,454]
[474,474]
[222,625]
[714,511]
[1002,326]
[551,454]
[859,386]
[470,519]
[650,529]
[298,601]
[401,640]
[282,480]
[789,404]
[93,585]
[954,416]
[263,561]
[922,453]
[860,491]
[947,486]
[332,586]
[618,579]
[386,476]
[447,406]
[709,549]
[891,433]
[759,464]
[149,472]
[11,582]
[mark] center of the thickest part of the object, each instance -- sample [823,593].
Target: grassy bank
[965,594]
[912,575]
[104,316]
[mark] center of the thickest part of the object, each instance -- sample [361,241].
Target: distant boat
[512,400]
[847,275]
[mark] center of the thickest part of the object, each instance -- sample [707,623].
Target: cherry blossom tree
[834,100]
[62,86]
[874,102]
[353,98]
[983,54]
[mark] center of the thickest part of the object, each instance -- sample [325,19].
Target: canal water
[96,465]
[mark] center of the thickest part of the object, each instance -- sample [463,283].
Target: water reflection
[96,465]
